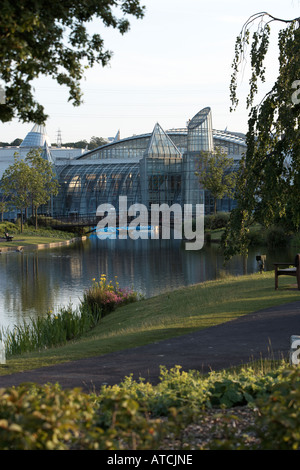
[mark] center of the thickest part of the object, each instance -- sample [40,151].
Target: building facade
[153,168]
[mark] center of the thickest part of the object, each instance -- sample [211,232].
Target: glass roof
[199,118]
[161,145]
[36,137]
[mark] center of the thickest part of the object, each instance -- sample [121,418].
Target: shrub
[192,391]
[214,222]
[8,227]
[278,423]
[47,418]
[255,238]
[131,415]
[276,237]
[103,297]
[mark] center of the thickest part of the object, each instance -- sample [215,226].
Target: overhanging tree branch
[39,37]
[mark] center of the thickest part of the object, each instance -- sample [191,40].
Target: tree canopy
[216,174]
[51,38]
[29,182]
[268,185]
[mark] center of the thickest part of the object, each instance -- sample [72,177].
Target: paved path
[265,333]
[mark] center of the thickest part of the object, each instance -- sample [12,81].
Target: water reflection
[33,282]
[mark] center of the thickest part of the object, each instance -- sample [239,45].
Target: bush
[103,297]
[255,238]
[131,415]
[276,237]
[278,424]
[214,222]
[48,418]
[192,391]
[8,227]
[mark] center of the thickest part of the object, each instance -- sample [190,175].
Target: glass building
[158,167]
[154,168]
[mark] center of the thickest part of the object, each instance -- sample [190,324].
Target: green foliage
[29,182]
[125,416]
[43,182]
[48,418]
[8,227]
[51,38]
[55,329]
[216,174]
[50,330]
[268,181]
[276,237]
[15,183]
[103,296]
[216,221]
[139,415]
[196,392]
[278,424]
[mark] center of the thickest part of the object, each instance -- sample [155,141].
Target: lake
[32,282]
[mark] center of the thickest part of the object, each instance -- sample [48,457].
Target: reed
[47,331]
[51,330]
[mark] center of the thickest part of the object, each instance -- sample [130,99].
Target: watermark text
[187,223]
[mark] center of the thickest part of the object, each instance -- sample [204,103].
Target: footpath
[263,334]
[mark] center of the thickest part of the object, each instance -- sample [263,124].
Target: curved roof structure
[199,118]
[37,137]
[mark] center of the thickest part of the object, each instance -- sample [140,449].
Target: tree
[96,142]
[15,184]
[16,143]
[51,38]
[29,182]
[216,174]
[43,182]
[81,144]
[4,205]
[268,185]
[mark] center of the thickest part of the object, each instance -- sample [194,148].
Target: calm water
[33,282]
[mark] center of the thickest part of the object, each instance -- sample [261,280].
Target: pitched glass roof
[161,145]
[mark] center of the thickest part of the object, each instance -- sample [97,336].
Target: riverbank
[31,238]
[189,408]
[37,243]
[168,315]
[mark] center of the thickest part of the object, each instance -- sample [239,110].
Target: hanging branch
[258,53]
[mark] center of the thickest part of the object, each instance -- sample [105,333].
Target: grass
[31,236]
[167,315]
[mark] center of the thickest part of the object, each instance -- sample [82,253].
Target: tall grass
[56,329]
[50,330]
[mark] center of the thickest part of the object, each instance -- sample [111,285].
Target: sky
[172,63]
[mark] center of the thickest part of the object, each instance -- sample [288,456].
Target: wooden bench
[292,270]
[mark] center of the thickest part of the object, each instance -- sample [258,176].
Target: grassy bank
[31,236]
[168,315]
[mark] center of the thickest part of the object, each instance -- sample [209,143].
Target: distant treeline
[81,144]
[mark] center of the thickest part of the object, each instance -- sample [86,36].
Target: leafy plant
[104,296]
[268,179]
[278,423]
[47,418]
[53,329]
